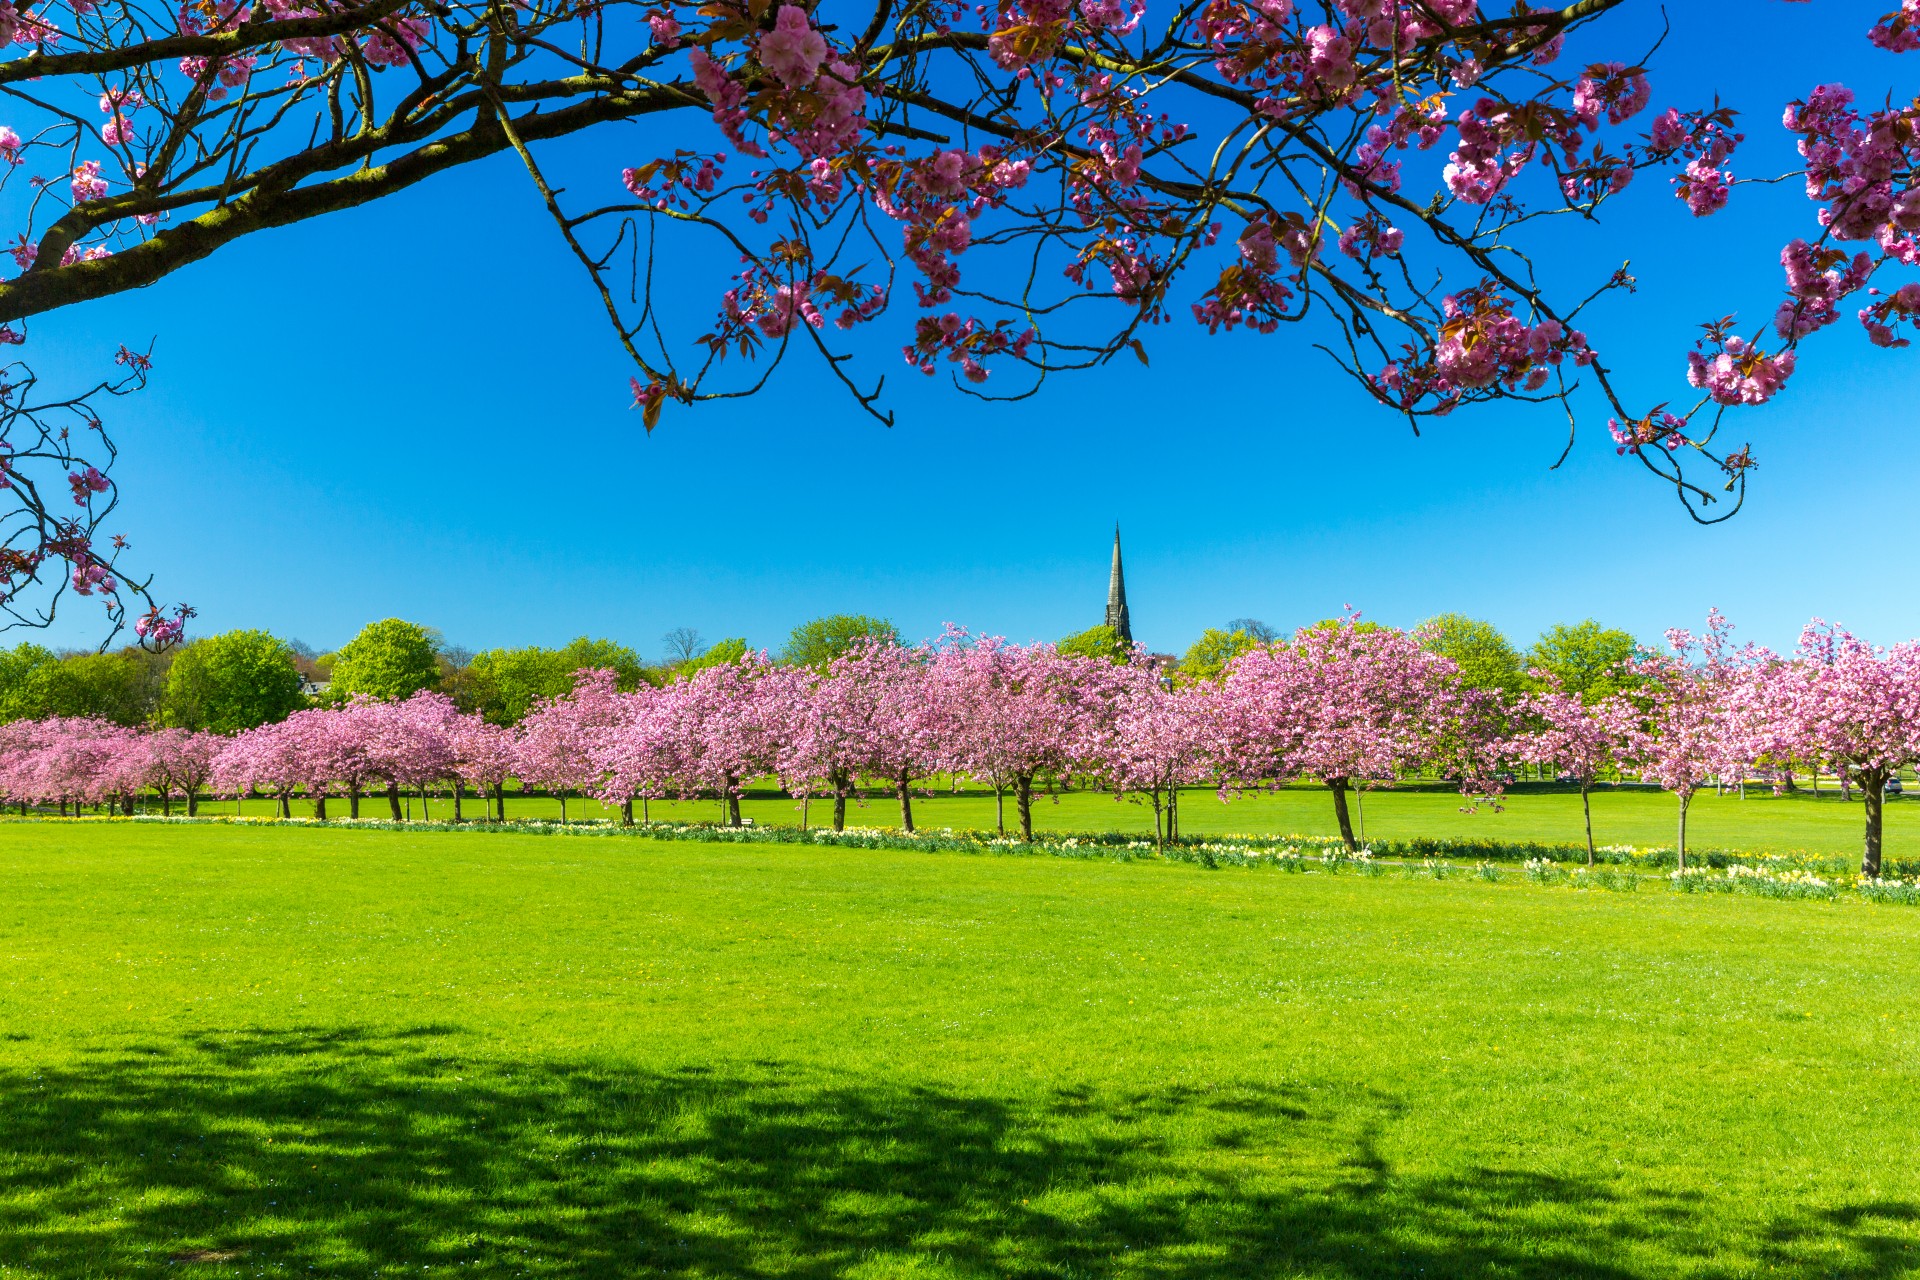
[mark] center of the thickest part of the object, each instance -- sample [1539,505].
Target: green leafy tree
[717,655]
[816,643]
[388,660]
[19,681]
[232,681]
[107,686]
[505,683]
[1207,657]
[1587,658]
[580,654]
[1485,657]
[1095,642]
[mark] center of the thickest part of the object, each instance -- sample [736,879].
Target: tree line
[235,680]
[1347,704]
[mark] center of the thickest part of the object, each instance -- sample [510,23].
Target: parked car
[1894,788]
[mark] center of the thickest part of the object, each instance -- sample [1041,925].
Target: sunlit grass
[290,1052]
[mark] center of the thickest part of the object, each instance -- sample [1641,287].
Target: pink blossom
[1899,31]
[1617,90]
[1704,188]
[1739,373]
[85,483]
[87,183]
[1900,307]
[793,50]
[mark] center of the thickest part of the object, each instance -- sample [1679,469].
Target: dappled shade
[355,1152]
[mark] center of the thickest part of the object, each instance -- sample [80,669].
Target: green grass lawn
[1639,816]
[282,1052]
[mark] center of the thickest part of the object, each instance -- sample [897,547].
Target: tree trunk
[906,802]
[1586,811]
[1159,840]
[1873,789]
[1023,804]
[500,800]
[1339,788]
[393,799]
[353,802]
[645,821]
[1173,809]
[166,803]
[626,812]
[839,803]
[320,805]
[286,804]
[1686,798]
[193,802]
[999,809]
[732,802]
[458,787]
[1360,810]
[563,808]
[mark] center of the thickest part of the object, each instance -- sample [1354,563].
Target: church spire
[1117,596]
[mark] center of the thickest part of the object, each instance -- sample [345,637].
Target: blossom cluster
[1481,346]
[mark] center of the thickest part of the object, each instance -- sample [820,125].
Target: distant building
[1117,596]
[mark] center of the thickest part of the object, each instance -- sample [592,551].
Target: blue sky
[414,410]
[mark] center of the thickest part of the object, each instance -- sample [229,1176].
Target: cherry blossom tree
[485,756]
[556,743]
[911,724]
[17,741]
[724,725]
[75,761]
[866,714]
[1576,737]
[181,761]
[1855,704]
[1005,191]
[639,756]
[270,757]
[1158,740]
[1017,710]
[1697,716]
[1345,703]
[411,745]
[348,749]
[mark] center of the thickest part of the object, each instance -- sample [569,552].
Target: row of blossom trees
[1346,704]
[1711,710]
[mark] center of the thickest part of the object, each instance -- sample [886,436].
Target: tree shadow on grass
[342,1153]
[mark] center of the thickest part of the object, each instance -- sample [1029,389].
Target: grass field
[290,1052]
[1638,816]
